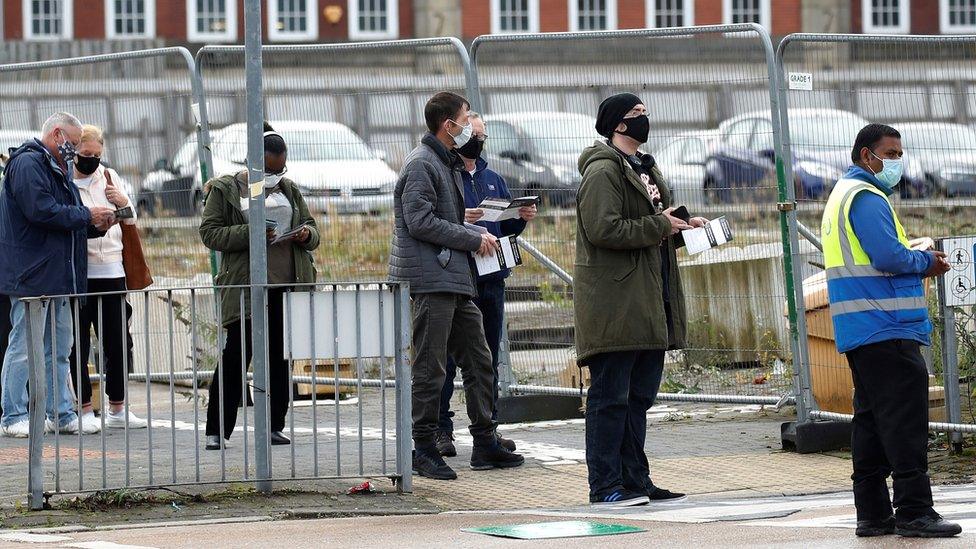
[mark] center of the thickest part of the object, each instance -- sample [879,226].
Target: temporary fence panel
[349,114]
[708,91]
[146,102]
[346,409]
[925,87]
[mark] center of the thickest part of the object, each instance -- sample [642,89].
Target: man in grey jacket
[431,251]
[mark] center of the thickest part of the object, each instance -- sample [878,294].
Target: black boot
[278,438]
[493,456]
[506,443]
[445,444]
[427,462]
[928,527]
[872,528]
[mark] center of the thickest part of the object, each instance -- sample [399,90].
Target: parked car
[335,169]
[536,152]
[682,161]
[744,162]
[174,185]
[946,152]
[11,139]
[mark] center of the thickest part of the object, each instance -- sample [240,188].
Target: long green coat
[618,291]
[224,229]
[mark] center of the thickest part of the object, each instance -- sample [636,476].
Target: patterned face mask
[67,149]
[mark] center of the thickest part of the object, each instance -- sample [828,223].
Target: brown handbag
[137,275]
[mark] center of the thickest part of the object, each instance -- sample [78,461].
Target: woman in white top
[101,186]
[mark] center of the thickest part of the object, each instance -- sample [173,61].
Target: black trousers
[229,374]
[890,430]
[113,332]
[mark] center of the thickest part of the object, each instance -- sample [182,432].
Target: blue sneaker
[620,498]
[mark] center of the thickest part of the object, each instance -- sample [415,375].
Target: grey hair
[59,120]
[474,114]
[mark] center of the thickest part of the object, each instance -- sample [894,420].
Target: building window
[293,20]
[669,13]
[374,19]
[746,11]
[885,16]
[513,16]
[957,16]
[588,15]
[130,19]
[211,20]
[47,19]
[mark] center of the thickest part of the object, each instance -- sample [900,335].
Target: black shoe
[619,498]
[431,465]
[872,528]
[495,456]
[445,444]
[506,443]
[660,494]
[278,438]
[213,442]
[928,527]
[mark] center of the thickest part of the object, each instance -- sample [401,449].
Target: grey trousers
[450,324]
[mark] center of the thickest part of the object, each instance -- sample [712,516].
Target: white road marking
[105,545]
[26,537]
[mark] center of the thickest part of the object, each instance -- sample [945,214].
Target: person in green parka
[224,229]
[628,299]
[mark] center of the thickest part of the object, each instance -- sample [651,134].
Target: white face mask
[462,138]
[271,180]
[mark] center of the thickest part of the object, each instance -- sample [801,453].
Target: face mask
[472,149]
[67,149]
[462,138]
[270,181]
[638,128]
[86,165]
[891,171]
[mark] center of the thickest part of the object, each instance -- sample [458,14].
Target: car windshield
[671,153]
[824,131]
[559,135]
[311,145]
[947,138]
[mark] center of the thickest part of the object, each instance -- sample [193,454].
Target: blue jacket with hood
[44,227]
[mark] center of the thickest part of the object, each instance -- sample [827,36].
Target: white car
[682,161]
[12,139]
[334,168]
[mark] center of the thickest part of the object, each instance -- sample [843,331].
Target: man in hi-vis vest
[880,319]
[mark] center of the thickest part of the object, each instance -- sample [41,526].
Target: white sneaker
[71,428]
[21,429]
[90,424]
[117,421]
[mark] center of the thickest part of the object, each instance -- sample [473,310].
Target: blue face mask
[891,171]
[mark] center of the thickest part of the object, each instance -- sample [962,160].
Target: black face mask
[638,128]
[472,149]
[87,164]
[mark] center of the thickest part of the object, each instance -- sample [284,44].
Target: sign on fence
[960,281]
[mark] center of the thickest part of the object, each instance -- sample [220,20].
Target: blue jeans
[16,367]
[623,387]
[491,302]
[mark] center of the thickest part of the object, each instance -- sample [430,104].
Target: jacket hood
[599,151]
[859,173]
[228,185]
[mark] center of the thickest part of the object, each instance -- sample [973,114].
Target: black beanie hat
[612,111]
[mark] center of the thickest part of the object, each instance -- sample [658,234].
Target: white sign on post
[801,81]
[373,338]
[960,281]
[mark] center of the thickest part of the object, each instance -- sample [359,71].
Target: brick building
[221,21]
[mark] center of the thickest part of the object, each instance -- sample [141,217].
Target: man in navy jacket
[480,182]
[43,252]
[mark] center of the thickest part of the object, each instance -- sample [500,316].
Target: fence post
[258,240]
[36,381]
[404,390]
[950,362]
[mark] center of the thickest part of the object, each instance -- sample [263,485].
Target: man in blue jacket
[880,318]
[480,182]
[43,251]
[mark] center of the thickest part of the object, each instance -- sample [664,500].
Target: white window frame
[904,15]
[612,22]
[765,14]
[110,22]
[496,18]
[229,33]
[650,14]
[948,28]
[392,18]
[67,23]
[311,29]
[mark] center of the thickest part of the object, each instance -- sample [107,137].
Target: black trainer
[445,444]
[495,456]
[872,528]
[619,498]
[431,465]
[506,443]
[928,527]
[660,494]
